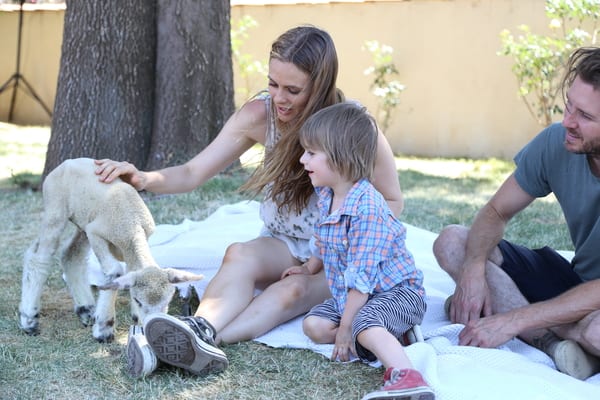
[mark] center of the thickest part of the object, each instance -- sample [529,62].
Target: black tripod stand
[17,77]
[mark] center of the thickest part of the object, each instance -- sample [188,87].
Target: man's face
[582,119]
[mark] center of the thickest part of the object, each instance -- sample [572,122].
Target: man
[547,301]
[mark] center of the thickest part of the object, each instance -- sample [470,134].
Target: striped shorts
[396,310]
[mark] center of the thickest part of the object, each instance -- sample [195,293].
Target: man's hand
[471,299]
[491,331]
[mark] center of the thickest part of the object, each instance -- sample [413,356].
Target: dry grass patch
[64,362]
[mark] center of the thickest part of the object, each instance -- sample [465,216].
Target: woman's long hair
[311,50]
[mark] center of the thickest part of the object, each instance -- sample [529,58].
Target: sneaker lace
[546,343]
[395,376]
[202,328]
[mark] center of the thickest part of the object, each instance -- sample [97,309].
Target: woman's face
[289,88]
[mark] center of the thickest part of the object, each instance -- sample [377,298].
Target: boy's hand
[343,348]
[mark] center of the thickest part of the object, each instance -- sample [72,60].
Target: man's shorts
[540,274]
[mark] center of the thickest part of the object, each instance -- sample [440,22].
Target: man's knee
[590,333]
[449,246]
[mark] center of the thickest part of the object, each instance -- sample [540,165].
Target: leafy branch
[539,60]
[383,86]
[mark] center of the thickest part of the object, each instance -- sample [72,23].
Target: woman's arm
[472,296]
[385,176]
[244,128]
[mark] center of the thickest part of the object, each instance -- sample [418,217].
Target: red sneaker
[402,384]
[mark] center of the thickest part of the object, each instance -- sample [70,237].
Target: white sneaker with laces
[141,360]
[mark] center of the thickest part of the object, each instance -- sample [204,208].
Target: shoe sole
[418,393]
[135,359]
[140,359]
[176,344]
[572,360]
[413,335]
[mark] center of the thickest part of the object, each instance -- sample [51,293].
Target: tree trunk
[194,78]
[150,82]
[105,91]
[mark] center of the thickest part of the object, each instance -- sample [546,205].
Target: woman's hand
[108,170]
[311,267]
[296,270]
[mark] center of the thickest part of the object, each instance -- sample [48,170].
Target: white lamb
[115,222]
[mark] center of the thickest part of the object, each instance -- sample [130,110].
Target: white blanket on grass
[513,371]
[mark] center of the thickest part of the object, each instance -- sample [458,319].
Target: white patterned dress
[293,229]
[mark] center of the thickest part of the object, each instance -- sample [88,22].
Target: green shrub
[539,60]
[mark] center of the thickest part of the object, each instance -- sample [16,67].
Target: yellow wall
[40,58]
[460,98]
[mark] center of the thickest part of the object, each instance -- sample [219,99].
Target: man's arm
[569,307]
[472,297]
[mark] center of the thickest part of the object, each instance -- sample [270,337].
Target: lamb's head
[151,289]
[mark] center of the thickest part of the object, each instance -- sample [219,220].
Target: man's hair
[347,134]
[585,64]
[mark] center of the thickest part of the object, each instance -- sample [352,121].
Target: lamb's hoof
[85,314]
[105,339]
[30,325]
[33,331]
[104,332]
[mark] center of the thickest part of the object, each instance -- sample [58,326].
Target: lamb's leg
[75,262]
[111,267]
[104,325]
[104,316]
[139,254]
[37,262]
[138,257]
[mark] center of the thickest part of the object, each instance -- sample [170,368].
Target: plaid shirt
[362,245]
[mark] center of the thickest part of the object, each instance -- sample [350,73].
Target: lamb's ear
[177,276]
[123,282]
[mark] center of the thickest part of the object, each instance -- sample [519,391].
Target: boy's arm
[354,302]
[344,345]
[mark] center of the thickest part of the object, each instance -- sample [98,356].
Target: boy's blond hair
[347,134]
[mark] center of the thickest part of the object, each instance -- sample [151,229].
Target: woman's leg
[278,303]
[246,266]
[189,342]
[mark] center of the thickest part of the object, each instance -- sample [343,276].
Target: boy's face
[316,163]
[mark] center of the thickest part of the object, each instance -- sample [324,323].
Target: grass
[64,362]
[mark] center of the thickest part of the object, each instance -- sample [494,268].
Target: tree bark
[150,82]
[105,91]
[194,78]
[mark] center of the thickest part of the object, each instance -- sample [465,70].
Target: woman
[302,76]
